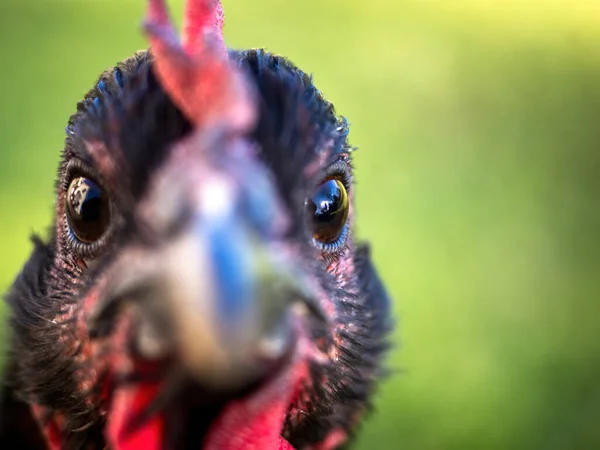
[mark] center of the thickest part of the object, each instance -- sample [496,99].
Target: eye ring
[335,246]
[82,177]
[328,209]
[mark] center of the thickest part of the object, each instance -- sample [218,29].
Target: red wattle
[126,404]
[256,422]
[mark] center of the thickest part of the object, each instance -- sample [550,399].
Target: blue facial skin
[230,254]
[238,252]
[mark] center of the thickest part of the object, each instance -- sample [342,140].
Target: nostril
[152,333]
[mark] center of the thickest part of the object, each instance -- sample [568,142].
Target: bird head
[201,287]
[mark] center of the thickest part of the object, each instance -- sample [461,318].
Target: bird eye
[88,209]
[328,210]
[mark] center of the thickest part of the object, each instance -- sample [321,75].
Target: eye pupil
[329,210]
[91,208]
[88,209]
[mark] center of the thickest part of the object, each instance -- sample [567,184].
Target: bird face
[202,288]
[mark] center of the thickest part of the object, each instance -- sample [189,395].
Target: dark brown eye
[88,209]
[328,209]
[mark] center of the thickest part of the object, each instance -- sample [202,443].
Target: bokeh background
[478,124]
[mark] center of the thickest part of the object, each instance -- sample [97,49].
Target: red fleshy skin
[50,427]
[252,423]
[126,404]
[200,17]
[255,422]
[197,74]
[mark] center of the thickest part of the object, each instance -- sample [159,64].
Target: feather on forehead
[196,72]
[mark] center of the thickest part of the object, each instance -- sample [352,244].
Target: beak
[217,297]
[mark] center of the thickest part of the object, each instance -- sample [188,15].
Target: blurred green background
[478,124]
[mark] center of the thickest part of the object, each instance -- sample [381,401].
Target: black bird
[201,286]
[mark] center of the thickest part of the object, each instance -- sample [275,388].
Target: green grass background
[478,124]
